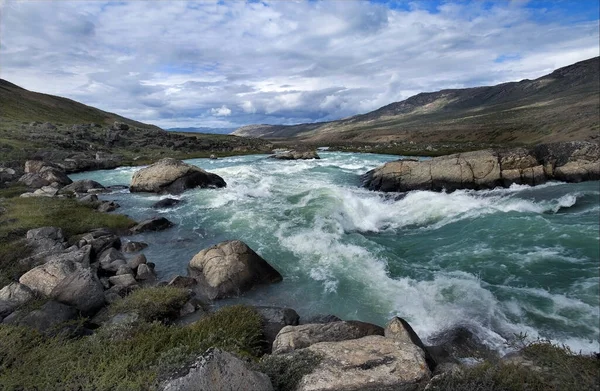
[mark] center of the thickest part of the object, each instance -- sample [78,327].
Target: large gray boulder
[44,278]
[486,169]
[172,176]
[13,296]
[34,181]
[273,320]
[52,318]
[400,330]
[219,370]
[100,240]
[298,337]
[296,155]
[230,268]
[82,186]
[372,363]
[81,290]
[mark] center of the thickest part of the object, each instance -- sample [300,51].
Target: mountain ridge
[560,106]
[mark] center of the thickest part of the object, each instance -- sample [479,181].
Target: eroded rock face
[369,363]
[486,169]
[230,268]
[219,370]
[297,337]
[173,176]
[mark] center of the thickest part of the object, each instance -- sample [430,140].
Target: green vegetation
[13,191]
[150,353]
[543,367]
[286,371]
[10,254]
[153,304]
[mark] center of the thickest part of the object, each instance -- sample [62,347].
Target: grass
[153,304]
[286,371]
[553,368]
[150,353]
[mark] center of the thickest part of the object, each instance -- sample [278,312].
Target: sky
[235,63]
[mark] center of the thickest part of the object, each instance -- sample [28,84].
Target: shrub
[154,303]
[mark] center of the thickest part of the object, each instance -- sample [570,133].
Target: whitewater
[499,262]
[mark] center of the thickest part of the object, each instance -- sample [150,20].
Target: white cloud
[189,63]
[222,111]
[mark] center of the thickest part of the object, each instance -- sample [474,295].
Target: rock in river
[173,176]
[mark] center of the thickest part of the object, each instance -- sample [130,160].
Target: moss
[550,368]
[10,254]
[286,371]
[30,361]
[23,214]
[154,303]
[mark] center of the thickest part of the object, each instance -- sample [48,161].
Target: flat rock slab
[366,364]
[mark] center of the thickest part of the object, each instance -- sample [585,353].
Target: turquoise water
[505,261]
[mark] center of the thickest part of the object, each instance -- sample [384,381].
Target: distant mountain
[563,105]
[203,130]
[19,104]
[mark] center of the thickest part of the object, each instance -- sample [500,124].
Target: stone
[44,278]
[100,240]
[369,363]
[400,330]
[81,186]
[34,181]
[573,161]
[51,319]
[82,290]
[13,296]
[321,318]
[53,174]
[182,282]
[153,224]
[52,233]
[107,206]
[120,126]
[173,176]
[297,337]
[88,199]
[123,280]
[219,370]
[452,345]
[136,261]
[124,269]
[166,203]
[145,273]
[231,268]
[273,320]
[134,247]
[296,155]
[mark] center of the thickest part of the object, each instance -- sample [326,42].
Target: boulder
[44,278]
[81,290]
[182,282]
[230,268]
[297,337]
[153,224]
[33,181]
[166,203]
[296,155]
[320,318]
[13,296]
[81,186]
[134,247]
[123,280]
[88,199]
[124,269]
[172,176]
[219,370]
[273,320]
[53,174]
[486,169]
[369,363]
[136,261]
[120,126]
[400,330]
[52,318]
[111,259]
[107,206]
[452,345]
[145,273]
[100,240]
[8,174]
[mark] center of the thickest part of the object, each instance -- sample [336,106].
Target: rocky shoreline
[79,281]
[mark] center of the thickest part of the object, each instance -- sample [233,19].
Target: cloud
[222,111]
[234,63]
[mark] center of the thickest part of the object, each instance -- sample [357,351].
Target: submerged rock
[230,268]
[153,224]
[486,169]
[173,176]
[166,203]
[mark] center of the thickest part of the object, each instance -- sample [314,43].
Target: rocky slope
[560,106]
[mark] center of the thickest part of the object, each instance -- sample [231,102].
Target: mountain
[41,126]
[563,105]
[19,104]
[203,130]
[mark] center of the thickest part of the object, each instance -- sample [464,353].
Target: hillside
[563,105]
[41,126]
